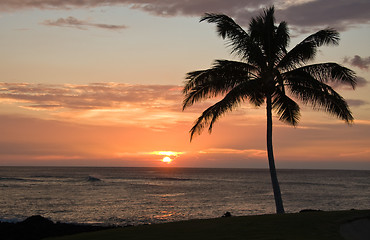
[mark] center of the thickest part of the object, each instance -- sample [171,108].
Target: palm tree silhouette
[267,73]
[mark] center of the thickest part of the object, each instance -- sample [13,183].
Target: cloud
[257,153]
[357,61]
[92,96]
[198,8]
[80,24]
[356,102]
[26,139]
[341,14]
[152,105]
[157,7]
[361,82]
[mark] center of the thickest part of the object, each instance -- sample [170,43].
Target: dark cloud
[358,61]
[80,24]
[12,5]
[361,82]
[157,7]
[197,8]
[336,13]
[339,14]
[356,102]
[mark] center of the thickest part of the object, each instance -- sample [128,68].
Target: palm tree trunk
[270,153]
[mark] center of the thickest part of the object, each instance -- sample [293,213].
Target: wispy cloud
[357,61]
[108,102]
[341,14]
[244,152]
[81,24]
[91,96]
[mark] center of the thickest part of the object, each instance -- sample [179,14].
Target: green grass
[296,226]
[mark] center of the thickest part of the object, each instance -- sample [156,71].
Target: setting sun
[167,159]
[167,156]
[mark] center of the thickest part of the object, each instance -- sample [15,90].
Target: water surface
[151,195]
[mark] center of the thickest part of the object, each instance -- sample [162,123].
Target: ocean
[132,196]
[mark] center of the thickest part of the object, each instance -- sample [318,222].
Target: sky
[98,83]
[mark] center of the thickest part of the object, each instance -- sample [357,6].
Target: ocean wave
[172,179]
[165,195]
[93,179]
[49,176]
[12,179]
[11,220]
[313,184]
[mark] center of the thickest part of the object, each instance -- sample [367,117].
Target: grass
[297,226]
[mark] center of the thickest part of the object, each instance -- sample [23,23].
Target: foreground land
[296,226]
[37,227]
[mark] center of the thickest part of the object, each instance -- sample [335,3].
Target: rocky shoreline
[37,227]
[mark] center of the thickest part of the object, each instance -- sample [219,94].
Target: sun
[167,159]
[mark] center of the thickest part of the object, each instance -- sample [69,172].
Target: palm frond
[240,93]
[318,94]
[272,39]
[240,42]
[268,68]
[328,36]
[226,26]
[282,39]
[219,79]
[287,109]
[331,72]
[307,49]
[279,78]
[262,30]
[210,115]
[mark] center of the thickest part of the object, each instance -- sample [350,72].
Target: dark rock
[37,220]
[38,227]
[227,214]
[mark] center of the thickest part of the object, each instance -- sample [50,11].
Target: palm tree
[268,73]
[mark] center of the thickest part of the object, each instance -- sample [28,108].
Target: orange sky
[86,84]
[123,125]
